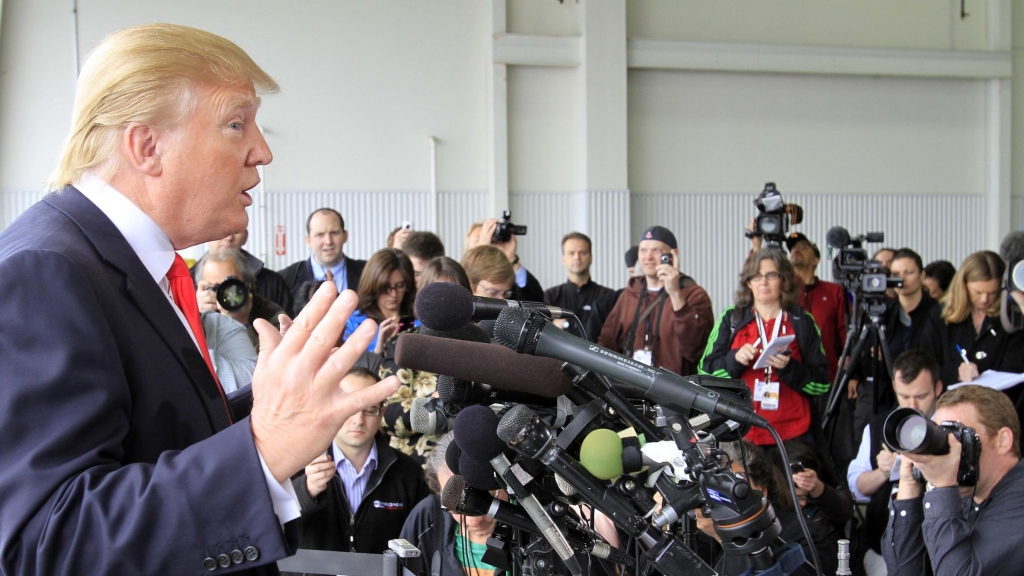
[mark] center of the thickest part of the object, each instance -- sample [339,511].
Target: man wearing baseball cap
[662,318]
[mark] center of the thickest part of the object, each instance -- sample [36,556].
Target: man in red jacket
[662,318]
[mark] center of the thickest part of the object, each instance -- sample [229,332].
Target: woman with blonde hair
[964,334]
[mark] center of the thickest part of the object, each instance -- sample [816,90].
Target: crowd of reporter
[944,327]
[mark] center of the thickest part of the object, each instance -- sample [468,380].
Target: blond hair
[978,267]
[994,408]
[146,74]
[487,263]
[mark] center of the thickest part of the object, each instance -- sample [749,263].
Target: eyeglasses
[496,293]
[400,287]
[373,410]
[771,276]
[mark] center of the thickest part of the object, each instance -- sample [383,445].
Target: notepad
[995,380]
[777,345]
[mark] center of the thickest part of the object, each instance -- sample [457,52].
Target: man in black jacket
[326,237]
[269,284]
[357,496]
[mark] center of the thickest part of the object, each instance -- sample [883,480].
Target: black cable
[796,500]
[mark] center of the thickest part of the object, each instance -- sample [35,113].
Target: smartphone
[407,225]
[666,259]
[796,467]
[406,323]
[786,352]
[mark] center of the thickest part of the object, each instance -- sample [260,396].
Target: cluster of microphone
[569,429]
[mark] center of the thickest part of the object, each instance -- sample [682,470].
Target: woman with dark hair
[386,294]
[766,309]
[937,277]
[415,383]
[965,334]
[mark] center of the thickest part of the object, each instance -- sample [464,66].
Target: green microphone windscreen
[601,454]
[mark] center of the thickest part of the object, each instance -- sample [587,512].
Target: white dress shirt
[156,252]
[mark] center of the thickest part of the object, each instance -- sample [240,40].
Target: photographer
[526,286]
[766,308]
[963,530]
[219,265]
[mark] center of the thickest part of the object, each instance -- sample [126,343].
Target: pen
[963,354]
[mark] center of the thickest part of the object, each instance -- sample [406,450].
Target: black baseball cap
[799,237]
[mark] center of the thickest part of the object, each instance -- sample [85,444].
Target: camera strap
[641,314]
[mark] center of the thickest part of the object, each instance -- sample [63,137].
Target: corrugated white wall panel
[1017,212]
[457,210]
[548,217]
[710,227]
[14,202]
[609,228]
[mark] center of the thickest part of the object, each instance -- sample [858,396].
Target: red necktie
[184,292]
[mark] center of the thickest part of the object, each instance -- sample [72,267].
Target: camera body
[852,269]
[506,229]
[666,259]
[908,430]
[232,293]
[774,216]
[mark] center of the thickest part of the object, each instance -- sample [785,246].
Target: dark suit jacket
[301,272]
[118,456]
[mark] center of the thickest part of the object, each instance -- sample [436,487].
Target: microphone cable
[792,494]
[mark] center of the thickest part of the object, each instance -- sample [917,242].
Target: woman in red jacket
[766,310]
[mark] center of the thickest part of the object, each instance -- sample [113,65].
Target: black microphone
[837,237]
[530,333]
[459,392]
[464,499]
[447,306]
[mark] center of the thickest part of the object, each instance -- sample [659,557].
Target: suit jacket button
[237,556]
[252,553]
[224,560]
[210,564]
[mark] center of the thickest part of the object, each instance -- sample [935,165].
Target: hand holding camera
[668,271]
[945,454]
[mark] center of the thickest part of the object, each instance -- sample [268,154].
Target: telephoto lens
[232,294]
[908,430]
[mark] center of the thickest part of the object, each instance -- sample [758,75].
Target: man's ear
[1004,441]
[139,149]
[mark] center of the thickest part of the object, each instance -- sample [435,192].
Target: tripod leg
[858,348]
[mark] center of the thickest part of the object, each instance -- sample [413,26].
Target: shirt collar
[371,461]
[1011,478]
[320,273]
[149,242]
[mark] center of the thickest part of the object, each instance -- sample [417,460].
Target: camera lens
[232,294]
[912,432]
[1017,275]
[908,430]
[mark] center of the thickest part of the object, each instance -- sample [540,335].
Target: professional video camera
[908,430]
[506,229]
[563,422]
[774,216]
[232,293]
[852,269]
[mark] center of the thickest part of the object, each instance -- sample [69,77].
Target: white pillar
[497,117]
[998,127]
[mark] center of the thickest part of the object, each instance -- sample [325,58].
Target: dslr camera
[506,229]
[908,430]
[774,216]
[232,293]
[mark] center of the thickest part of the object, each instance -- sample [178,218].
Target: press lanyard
[764,338]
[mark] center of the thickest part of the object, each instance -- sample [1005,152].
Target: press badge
[770,398]
[643,357]
[758,390]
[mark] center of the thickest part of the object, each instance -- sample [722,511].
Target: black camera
[506,229]
[852,268]
[232,293]
[908,430]
[666,259]
[774,216]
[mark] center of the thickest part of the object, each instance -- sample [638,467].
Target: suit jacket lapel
[144,293]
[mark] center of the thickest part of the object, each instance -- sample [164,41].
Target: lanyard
[764,337]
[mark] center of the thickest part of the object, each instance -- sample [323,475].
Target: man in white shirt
[121,452]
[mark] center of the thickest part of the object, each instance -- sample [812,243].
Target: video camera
[506,229]
[774,216]
[908,430]
[852,268]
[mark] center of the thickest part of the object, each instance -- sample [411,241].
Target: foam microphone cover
[632,459]
[444,306]
[451,494]
[601,454]
[479,474]
[837,237]
[468,333]
[475,428]
[451,457]
[478,362]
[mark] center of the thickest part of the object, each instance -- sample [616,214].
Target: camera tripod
[867,321]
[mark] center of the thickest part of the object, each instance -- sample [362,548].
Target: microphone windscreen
[422,420]
[479,474]
[487,363]
[451,457]
[601,454]
[451,494]
[632,459]
[444,306]
[452,390]
[837,237]
[469,333]
[513,422]
[564,486]
[1012,247]
[475,428]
